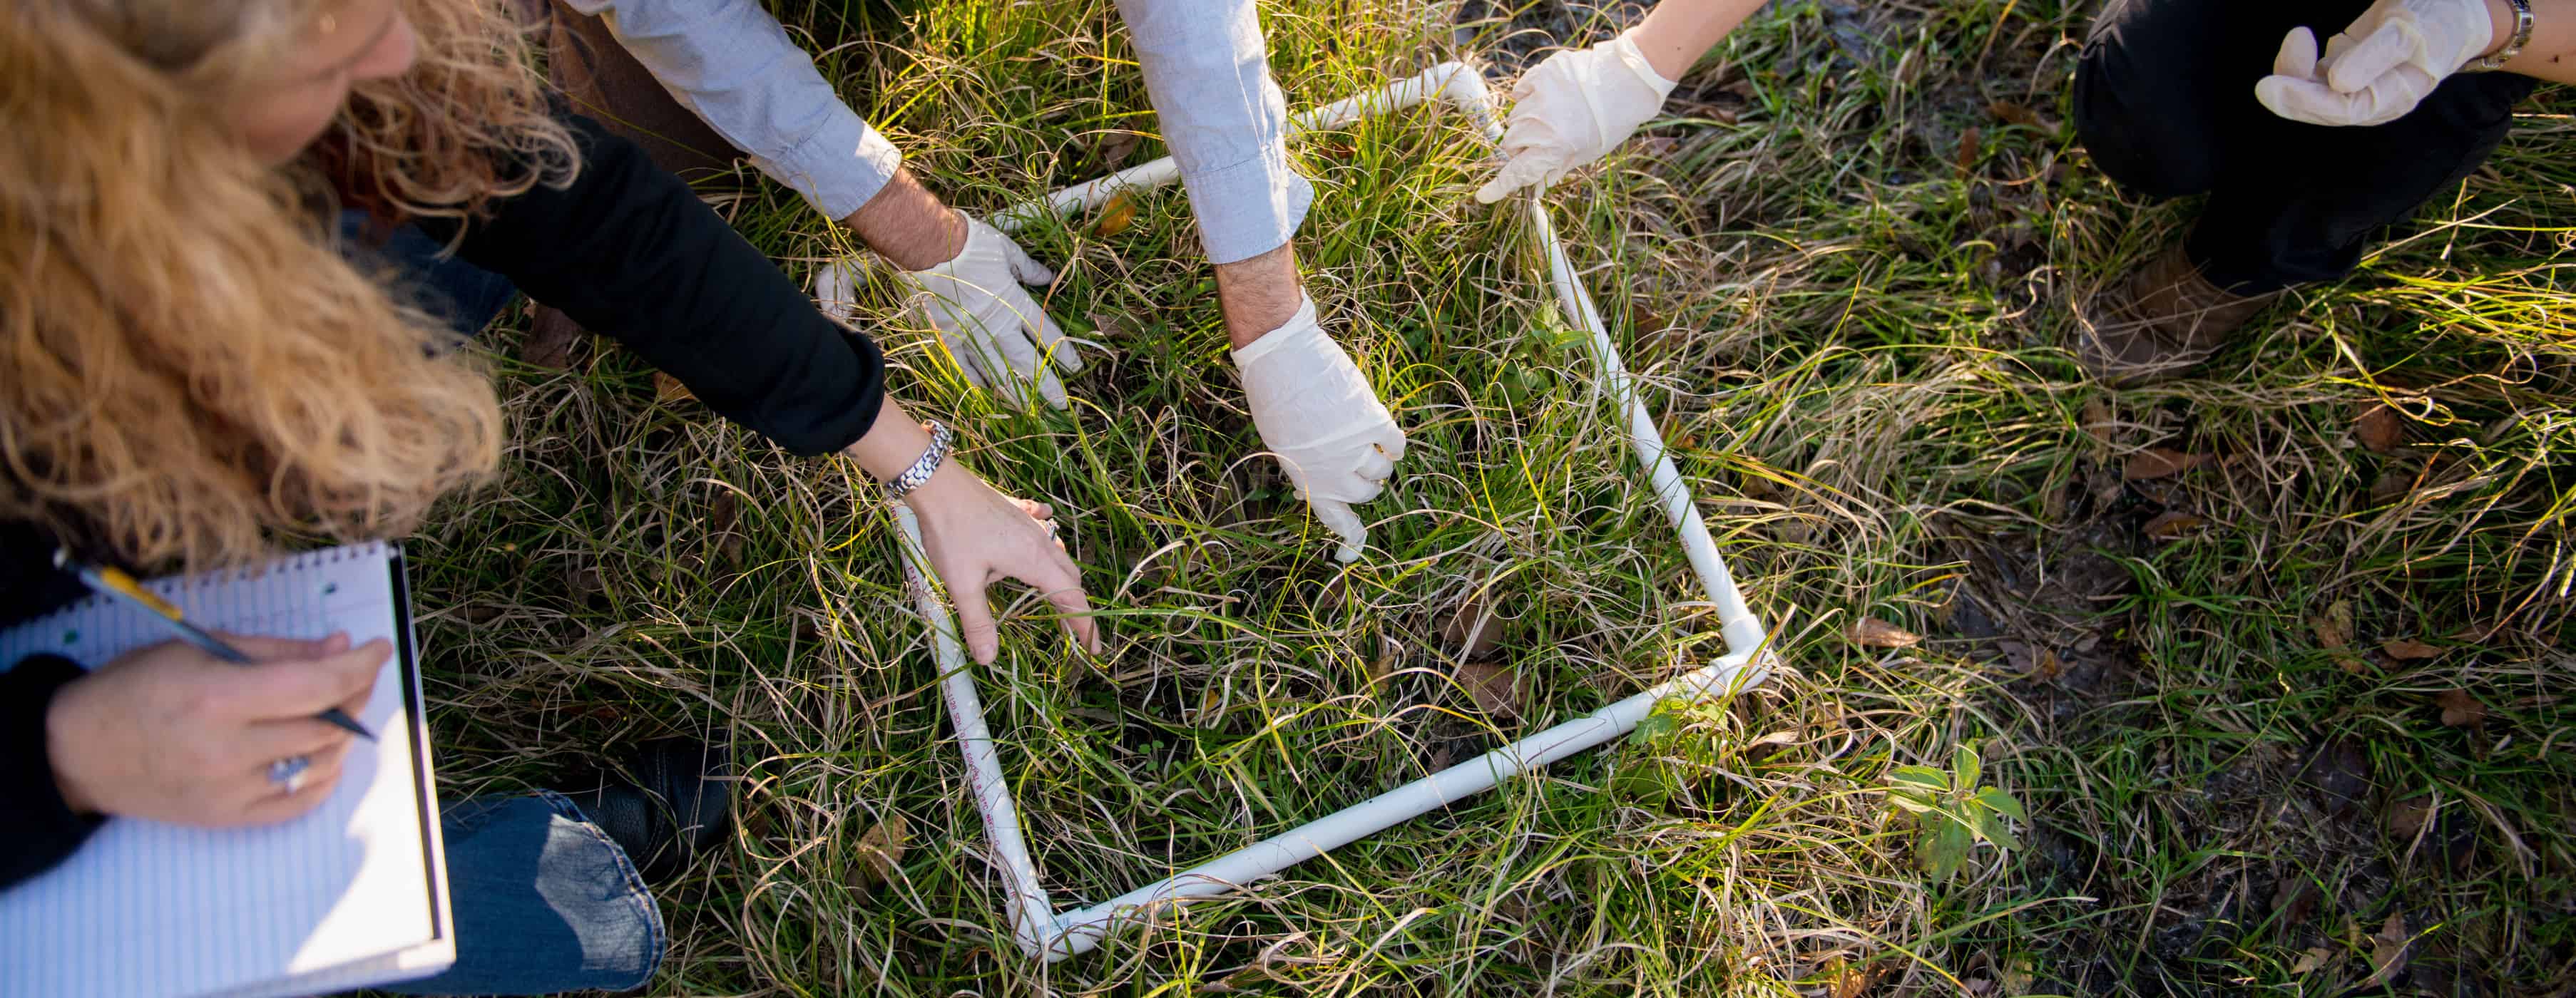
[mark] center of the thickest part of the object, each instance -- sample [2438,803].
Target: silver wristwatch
[931,458]
[2522,25]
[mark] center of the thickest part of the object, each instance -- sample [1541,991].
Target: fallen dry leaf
[1117,215]
[1495,688]
[2461,710]
[1848,980]
[2334,627]
[2011,113]
[2296,899]
[2380,429]
[1115,147]
[552,336]
[1388,654]
[585,583]
[2409,649]
[669,389]
[2173,524]
[1972,147]
[2406,818]
[2388,951]
[2315,957]
[2160,462]
[1472,631]
[1871,632]
[721,514]
[2097,424]
[878,853]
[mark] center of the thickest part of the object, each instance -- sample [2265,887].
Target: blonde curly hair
[192,365]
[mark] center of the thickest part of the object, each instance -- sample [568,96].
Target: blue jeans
[544,902]
[465,295]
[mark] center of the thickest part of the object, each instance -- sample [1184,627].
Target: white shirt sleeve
[731,64]
[1208,71]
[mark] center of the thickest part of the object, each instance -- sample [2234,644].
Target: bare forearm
[909,225]
[1259,294]
[1677,32]
[891,445]
[2551,54]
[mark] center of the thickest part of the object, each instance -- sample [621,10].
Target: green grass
[1854,331]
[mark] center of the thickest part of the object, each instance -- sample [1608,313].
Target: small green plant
[1951,812]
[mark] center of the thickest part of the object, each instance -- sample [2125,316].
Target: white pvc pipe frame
[1057,935]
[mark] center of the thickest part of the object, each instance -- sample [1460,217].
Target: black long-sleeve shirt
[628,251]
[631,253]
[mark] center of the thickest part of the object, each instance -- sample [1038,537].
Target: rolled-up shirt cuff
[840,167]
[1251,207]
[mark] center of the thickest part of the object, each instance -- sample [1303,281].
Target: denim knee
[544,902]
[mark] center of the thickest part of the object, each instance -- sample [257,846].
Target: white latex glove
[1319,415]
[997,334]
[1572,109]
[2379,68]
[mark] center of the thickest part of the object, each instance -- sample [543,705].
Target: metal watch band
[2523,23]
[931,458]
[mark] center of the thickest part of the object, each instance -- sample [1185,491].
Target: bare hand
[976,536]
[173,734]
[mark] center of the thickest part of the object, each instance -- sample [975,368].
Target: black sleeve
[629,251]
[37,830]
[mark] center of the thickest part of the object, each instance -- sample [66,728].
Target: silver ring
[288,773]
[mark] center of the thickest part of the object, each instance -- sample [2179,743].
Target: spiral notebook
[350,895]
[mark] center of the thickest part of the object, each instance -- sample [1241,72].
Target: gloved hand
[1572,109]
[988,323]
[2380,67]
[1318,414]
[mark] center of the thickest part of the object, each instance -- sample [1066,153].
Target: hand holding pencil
[118,586]
[173,733]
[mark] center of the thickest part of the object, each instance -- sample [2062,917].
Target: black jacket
[628,251]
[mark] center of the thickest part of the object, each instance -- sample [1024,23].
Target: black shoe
[679,805]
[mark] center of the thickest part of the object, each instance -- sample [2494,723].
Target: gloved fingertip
[1494,190]
[1347,554]
[2298,57]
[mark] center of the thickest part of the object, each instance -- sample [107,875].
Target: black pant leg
[2152,101]
[2327,192]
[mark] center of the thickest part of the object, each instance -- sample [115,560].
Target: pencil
[121,587]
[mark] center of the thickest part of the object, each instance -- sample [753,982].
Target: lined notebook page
[148,909]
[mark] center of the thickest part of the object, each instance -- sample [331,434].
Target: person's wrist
[941,489]
[1664,64]
[908,225]
[1259,294]
[60,748]
[2501,21]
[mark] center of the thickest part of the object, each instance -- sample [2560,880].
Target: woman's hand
[1571,109]
[2378,69]
[174,734]
[976,536]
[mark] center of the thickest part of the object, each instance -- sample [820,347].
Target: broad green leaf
[1963,763]
[1946,849]
[1655,727]
[1991,827]
[1910,802]
[1925,777]
[1996,800]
